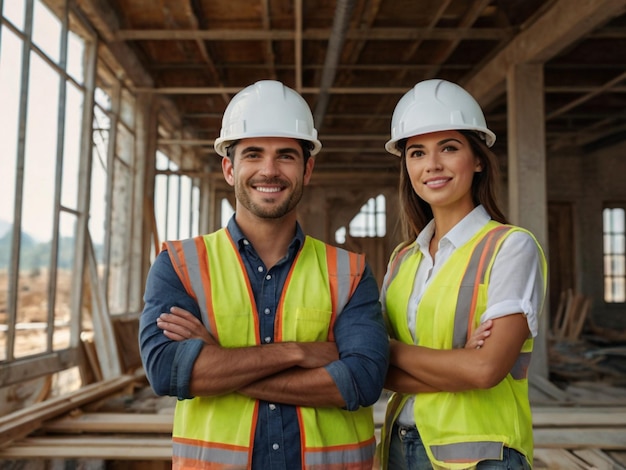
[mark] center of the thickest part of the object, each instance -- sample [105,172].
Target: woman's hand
[179,325]
[479,335]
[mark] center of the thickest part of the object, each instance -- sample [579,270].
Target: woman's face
[441,166]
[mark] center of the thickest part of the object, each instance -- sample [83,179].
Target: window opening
[371,221]
[227,212]
[614,255]
[177,201]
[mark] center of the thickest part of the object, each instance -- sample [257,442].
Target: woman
[461,270]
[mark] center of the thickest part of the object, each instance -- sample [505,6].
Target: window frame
[615,255]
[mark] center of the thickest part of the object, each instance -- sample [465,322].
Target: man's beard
[243,195]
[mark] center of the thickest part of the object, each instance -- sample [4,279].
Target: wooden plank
[547,388]
[109,448]
[597,392]
[558,317]
[562,25]
[162,422]
[127,331]
[104,337]
[102,16]
[577,328]
[561,327]
[150,216]
[317,34]
[92,358]
[598,459]
[27,368]
[20,423]
[577,438]
[112,423]
[603,389]
[558,459]
[618,457]
[555,416]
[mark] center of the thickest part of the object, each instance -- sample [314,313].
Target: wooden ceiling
[353,59]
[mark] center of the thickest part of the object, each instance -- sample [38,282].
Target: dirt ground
[31,335]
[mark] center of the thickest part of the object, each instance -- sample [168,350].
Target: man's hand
[179,325]
[479,335]
[318,354]
[262,371]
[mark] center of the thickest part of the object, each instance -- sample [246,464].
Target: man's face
[268,174]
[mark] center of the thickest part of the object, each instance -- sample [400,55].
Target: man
[291,351]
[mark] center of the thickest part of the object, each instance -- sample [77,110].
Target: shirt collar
[468,226]
[240,239]
[424,237]
[461,232]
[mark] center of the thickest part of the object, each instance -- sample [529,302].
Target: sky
[41,125]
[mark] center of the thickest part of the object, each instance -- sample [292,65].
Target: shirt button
[246,242]
[275,446]
[267,339]
[267,311]
[272,406]
[260,269]
[268,277]
[403,432]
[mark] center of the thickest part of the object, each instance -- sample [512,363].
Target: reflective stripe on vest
[468,292]
[319,285]
[475,275]
[448,442]
[194,454]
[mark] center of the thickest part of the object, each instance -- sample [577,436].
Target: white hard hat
[267,109]
[436,105]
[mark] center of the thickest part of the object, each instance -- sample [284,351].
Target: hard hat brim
[221,144]
[485,134]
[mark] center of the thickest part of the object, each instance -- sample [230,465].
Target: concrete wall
[587,180]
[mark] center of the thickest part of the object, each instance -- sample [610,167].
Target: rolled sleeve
[186,354]
[517,282]
[363,346]
[167,363]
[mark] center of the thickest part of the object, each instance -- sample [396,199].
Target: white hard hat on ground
[267,109]
[436,105]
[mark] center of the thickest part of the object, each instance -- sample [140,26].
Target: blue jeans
[407,452]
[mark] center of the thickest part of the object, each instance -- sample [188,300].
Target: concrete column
[527,173]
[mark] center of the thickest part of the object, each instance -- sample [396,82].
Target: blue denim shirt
[360,336]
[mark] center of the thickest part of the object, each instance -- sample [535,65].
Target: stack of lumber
[578,426]
[570,317]
[572,438]
[578,349]
[581,426]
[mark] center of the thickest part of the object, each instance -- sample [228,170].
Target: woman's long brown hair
[416,213]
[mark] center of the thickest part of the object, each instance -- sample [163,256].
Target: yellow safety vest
[218,432]
[459,429]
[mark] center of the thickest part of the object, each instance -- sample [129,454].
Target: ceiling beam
[305,90]
[298,45]
[593,133]
[467,21]
[563,24]
[350,67]
[328,137]
[270,60]
[197,21]
[104,19]
[369,34]
[605,88]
